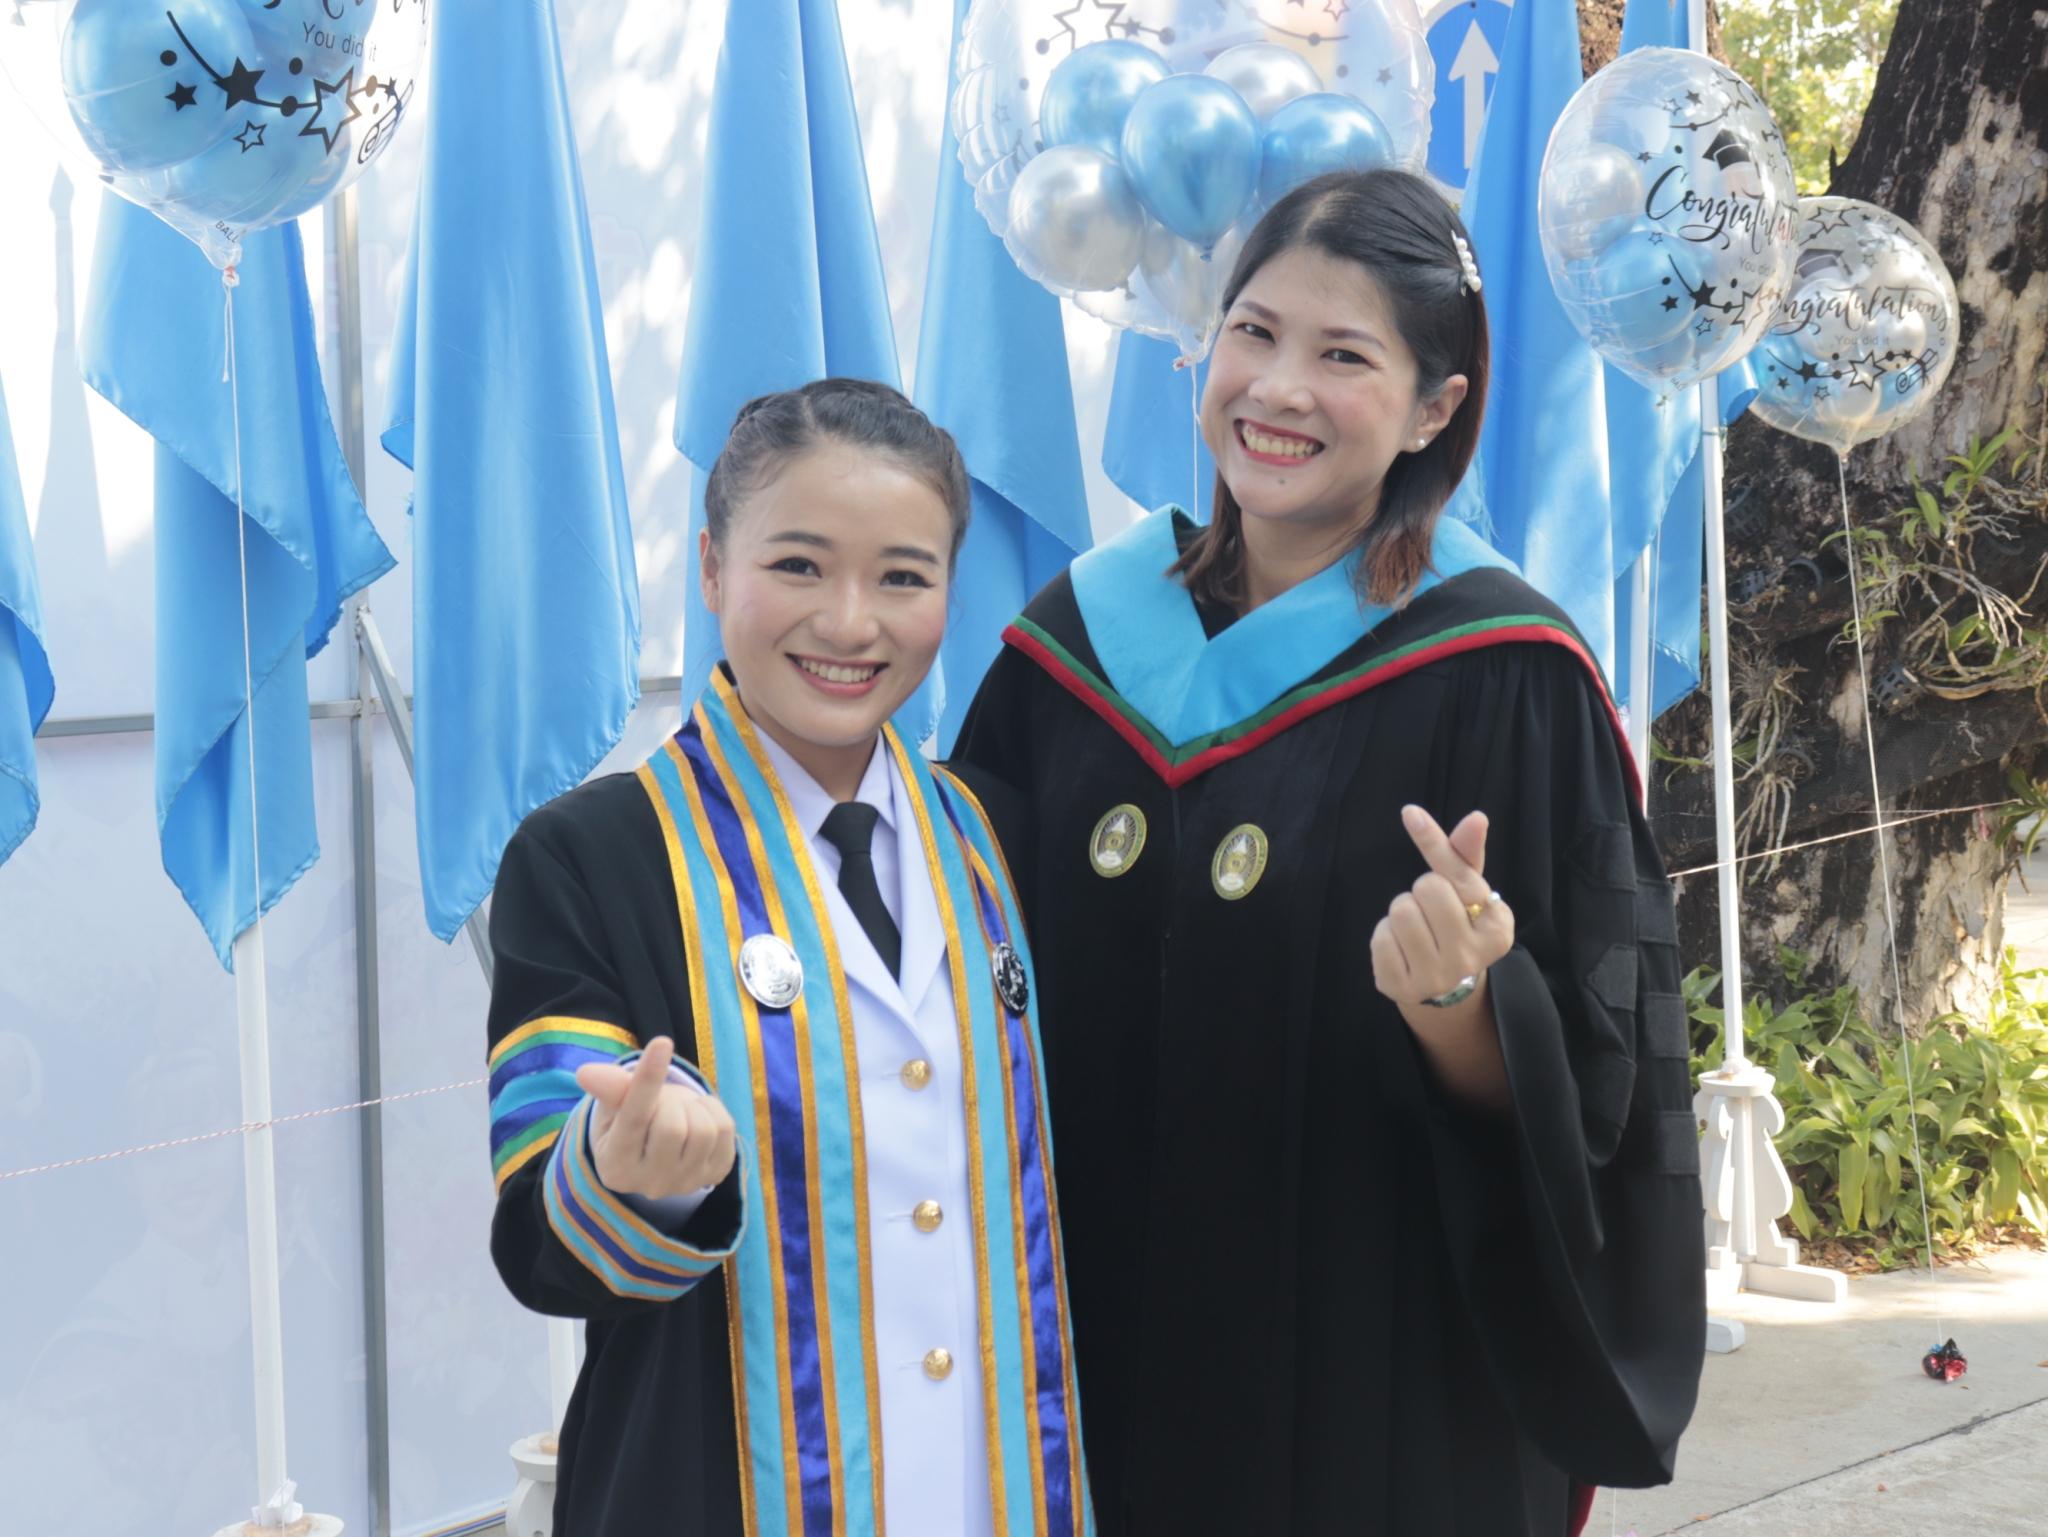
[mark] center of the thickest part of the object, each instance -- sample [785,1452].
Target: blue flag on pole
[1679,553]
[26,687]
[788,286]
[1656,479]
[156,347]
[526,601]
[1151,448]
[1539,483]
[992,370]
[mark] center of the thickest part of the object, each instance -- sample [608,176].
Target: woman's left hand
[1450,925]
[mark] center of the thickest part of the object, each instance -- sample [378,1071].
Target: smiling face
[1312,393]
[830,591]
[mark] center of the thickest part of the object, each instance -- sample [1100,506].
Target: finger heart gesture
[1450,926]
[650,1137]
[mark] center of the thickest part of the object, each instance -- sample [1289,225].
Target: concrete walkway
[1797,1430]
[1824,1424]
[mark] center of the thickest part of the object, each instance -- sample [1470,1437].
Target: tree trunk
[1953,141]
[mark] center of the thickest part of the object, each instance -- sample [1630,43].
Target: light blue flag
[788,286]
[26,687]
[1151,448]
[1539,484]
[1679,553]
[526,602]
[154,345]
[992,370]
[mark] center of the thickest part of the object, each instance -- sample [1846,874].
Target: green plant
[1815,62]
[1966,636]
[1979,1098]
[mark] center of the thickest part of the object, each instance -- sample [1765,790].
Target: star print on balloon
[172,104]
[1867,330]
[240,83]
[1666,167]
[1088,21]
[1122,149]
[331,129]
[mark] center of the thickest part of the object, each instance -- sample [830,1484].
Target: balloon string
[1855,832]
[1194,443]
[229,280]
[1891,922]
[245,1129]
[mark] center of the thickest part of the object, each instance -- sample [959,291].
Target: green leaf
[1802,1214]
[1854,1167]
[2002,1189]
[2034,1211]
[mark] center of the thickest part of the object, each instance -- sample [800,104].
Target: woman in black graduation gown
[1379,1176]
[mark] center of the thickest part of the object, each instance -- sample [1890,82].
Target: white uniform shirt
[906,1034]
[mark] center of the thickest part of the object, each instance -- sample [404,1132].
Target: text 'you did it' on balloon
[221,117]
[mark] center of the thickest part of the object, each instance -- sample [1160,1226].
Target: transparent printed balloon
[1172,125]
[1668,215]
[1867,333]
[219,116]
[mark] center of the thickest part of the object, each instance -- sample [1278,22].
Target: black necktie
[850,828]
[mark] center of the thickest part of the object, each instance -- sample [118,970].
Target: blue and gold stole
[798,1290]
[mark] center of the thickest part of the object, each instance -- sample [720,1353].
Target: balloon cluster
[1676,243]
[219,116]
[1123,151]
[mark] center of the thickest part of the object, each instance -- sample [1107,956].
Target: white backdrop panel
[124,1346]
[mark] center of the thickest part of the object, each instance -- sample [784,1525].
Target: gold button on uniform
[938,1364]
[916,1073]
[926,1216]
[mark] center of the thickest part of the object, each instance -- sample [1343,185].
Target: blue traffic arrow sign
[1465,39]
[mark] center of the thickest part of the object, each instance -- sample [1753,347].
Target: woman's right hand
[650,1137]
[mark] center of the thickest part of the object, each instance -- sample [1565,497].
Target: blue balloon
[1636,294]
[1092,91]
[1191,148]
[1318,133]
[141,89]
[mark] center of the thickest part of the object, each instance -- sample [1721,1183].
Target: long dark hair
[772,430]
[1401,232]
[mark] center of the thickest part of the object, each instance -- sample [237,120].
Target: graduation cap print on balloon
[1865,334]
[1667,214]
[1122,149]
[219,116]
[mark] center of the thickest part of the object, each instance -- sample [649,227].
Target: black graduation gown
[1310,1294]
[584,924]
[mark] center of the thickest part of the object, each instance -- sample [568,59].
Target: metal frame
[376,690]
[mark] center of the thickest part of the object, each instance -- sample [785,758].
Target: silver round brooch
[770,971]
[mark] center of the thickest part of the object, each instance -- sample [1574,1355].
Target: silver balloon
[1075,222]
[1266,75]
[1591,199]
[1867,334]
[1187,286]
[1682,283]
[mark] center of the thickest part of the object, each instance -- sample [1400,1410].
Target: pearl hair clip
[1470,280]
